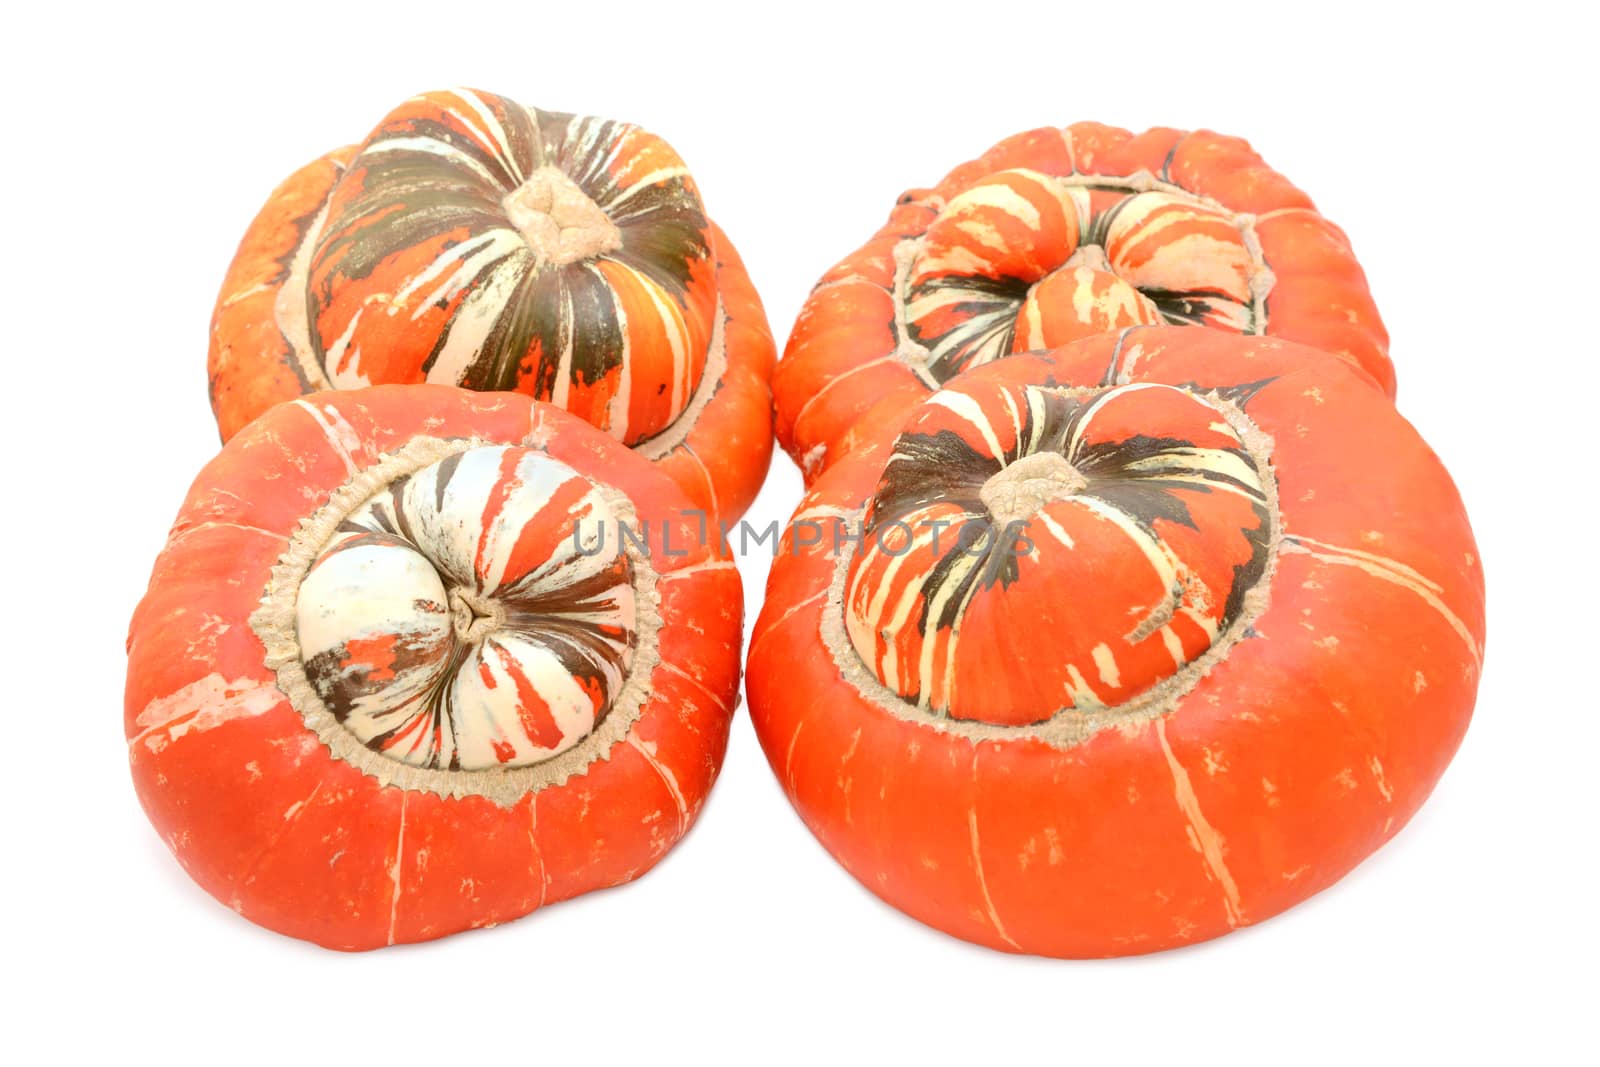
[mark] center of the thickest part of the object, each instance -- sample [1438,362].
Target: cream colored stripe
[1396,573]
[969,409]
[493,134]
[785,617]
[538,853]
[654,178]
[673,668]
[394,872]
[667,778]
[1204,836]
[977,868]
[820,393]
[203,705]
[431,147]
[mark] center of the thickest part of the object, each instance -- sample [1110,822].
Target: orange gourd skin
[719,457]
[1310,744]
[266,819]
[846,353]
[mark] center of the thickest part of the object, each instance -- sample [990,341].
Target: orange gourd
[1057,234]
[472,241]
[417,659]
[1121,646]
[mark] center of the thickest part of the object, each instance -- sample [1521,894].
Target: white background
[1457,150]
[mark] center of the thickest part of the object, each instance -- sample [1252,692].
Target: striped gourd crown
[473,241]
[1022,260]
[1033,551]
[476,613]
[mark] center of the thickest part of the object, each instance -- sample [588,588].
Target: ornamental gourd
[472,241]
[1057,234]
[417,659]
[1121,646]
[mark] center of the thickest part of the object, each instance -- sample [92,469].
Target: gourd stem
[1018,490]
[558,220]
[474,616]
[1091,256]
